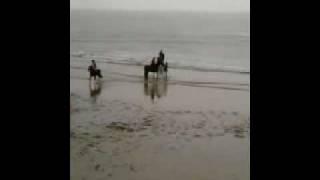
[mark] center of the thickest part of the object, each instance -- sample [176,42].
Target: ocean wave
[199,68]
[174,65]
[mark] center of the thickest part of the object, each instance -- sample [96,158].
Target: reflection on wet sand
[155,88]
[95,89]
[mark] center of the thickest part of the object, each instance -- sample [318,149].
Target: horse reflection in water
[155,88]
[95,87]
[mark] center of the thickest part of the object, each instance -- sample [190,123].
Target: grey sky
[188,5]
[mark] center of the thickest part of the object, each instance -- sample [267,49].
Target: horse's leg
[157,72]
[160,70]
[166,71]
[146,72]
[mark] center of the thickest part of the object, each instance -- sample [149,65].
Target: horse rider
[153,62]
[161,57]
[93,70]
[94,65]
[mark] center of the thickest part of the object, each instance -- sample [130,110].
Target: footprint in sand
[198,125]
[219,134]
[239,136]
[238,130]
[171,132]
[97,167]
[183,133]
[172,147]
[212,112]
[132,168]
[210,134]
[143,135]
[141,129]
[235,113]
[83,152]
[91,145]
[147,123]
[85,133]
[96,109]
[155,132]
[127,108]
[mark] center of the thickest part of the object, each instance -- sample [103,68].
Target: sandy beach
[191,126]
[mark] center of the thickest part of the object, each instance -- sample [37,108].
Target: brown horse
[94,72]
[156,68]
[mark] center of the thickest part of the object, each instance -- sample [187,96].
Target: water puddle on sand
[120,140]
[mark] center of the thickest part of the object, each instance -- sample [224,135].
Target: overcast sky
[185,5]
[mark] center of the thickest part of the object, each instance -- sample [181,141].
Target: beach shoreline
[126,128]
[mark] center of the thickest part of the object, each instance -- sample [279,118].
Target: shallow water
[182,132]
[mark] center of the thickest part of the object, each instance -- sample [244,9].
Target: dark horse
[155,68]
[94,72]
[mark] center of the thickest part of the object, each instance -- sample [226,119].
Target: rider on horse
[161,57]
[93,70]
[94,65]
[158,66]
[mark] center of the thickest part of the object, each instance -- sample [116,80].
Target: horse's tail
[166,67]
[99,73]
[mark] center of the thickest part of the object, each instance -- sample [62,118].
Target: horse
[94,72]
[158,68]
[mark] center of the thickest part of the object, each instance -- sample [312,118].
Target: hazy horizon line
[159,10]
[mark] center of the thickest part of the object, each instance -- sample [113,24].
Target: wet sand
[124,128]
